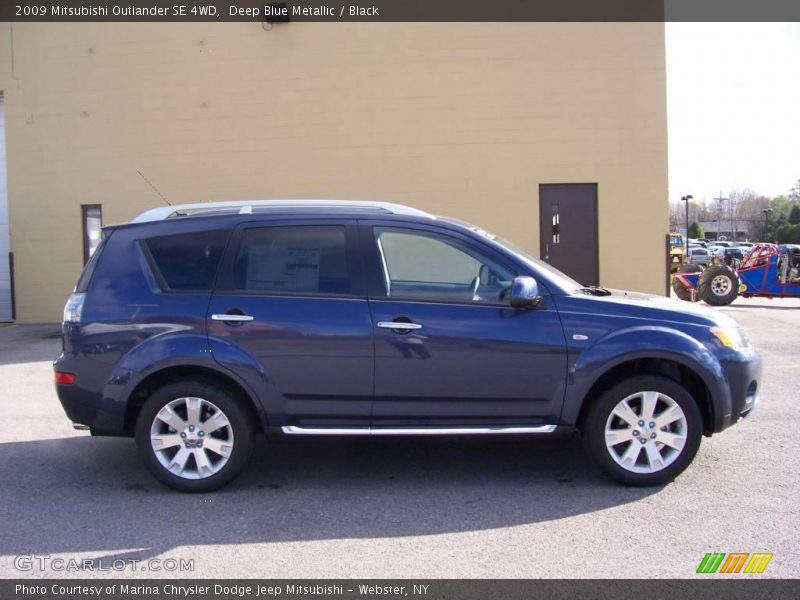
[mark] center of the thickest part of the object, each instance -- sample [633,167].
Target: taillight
[65,378]
[73,308]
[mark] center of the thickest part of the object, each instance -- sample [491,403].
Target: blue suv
[195,327]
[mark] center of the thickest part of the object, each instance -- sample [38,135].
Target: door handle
[399,325]
[232,318]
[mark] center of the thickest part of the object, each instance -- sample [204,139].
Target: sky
[733,94]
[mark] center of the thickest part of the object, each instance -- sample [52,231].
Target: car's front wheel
[643,431]
[194,436]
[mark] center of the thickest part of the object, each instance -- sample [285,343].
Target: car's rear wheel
[718,285]
[194,436]
[643,431]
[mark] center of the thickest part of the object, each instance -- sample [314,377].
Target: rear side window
[309,259]
[186,262]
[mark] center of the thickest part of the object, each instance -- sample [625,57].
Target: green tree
[696,231]
[794,193]
[794,215]
[788,234]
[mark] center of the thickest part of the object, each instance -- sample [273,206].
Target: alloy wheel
[191,438]
[646,432]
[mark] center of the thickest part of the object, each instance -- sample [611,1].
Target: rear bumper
[742,380]
[83,403]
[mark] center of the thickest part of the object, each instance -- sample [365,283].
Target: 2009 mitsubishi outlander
[195,327]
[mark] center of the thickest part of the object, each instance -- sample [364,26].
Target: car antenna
[155,189]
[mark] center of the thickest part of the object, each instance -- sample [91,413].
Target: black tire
[680,291]
[593,431]
[718,285]
[239,432]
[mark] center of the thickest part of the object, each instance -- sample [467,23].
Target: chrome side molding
[504,429]
[80,427]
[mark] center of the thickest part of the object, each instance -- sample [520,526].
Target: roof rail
[246,207]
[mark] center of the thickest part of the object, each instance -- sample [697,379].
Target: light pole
[719,200]
[686,199]
[766,212]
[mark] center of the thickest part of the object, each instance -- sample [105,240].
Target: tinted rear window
[186,262]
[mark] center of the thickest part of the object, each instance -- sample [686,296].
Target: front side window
[420,265]
[309,259]
[186,262]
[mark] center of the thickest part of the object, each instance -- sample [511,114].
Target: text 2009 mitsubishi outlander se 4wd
[195,327]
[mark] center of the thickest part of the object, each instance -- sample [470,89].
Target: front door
[449,350]
[568,229]
[287,297]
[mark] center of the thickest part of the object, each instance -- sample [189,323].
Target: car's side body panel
[322,361]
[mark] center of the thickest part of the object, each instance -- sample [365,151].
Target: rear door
[289,296]
[449,350]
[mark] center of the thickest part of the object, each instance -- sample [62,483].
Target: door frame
[594,216]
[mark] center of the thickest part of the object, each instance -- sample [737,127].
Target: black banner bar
[400,10]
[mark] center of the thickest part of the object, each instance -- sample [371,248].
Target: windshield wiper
[594,290]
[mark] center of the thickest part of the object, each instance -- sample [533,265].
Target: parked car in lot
[698,256]
[195,327]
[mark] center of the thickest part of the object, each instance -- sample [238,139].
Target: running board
[294,430]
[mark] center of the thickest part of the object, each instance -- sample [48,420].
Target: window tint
[302,259]
[427,266]
[186,262]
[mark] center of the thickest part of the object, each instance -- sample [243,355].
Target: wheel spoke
[673,440]
[625,412]
[162,442]
[628,459]
[214,422]
[649,400]
[617,436]
[670,415]
[204,468]
[654,458]
[221,447]
[171,418]
[178,462]
[193,406]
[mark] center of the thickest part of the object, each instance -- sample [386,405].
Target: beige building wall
[459,119]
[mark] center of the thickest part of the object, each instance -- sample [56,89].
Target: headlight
[731,337]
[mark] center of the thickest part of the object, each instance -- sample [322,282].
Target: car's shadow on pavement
[92,495]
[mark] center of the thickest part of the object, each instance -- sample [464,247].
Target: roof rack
[246,207]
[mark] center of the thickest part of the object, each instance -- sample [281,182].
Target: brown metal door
[568,229]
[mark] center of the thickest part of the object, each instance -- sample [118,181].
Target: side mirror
[525,293]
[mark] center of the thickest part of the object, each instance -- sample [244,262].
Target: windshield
[564,281]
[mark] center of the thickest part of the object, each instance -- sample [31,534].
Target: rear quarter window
[185,262]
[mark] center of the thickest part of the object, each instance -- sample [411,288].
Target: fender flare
[645,342]
[162,352]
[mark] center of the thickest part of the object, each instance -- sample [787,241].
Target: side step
[294,430]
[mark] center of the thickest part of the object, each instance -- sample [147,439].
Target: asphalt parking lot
[502,508]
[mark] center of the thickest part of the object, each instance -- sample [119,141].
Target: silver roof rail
[246,207]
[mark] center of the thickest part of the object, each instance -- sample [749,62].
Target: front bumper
[742,380]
